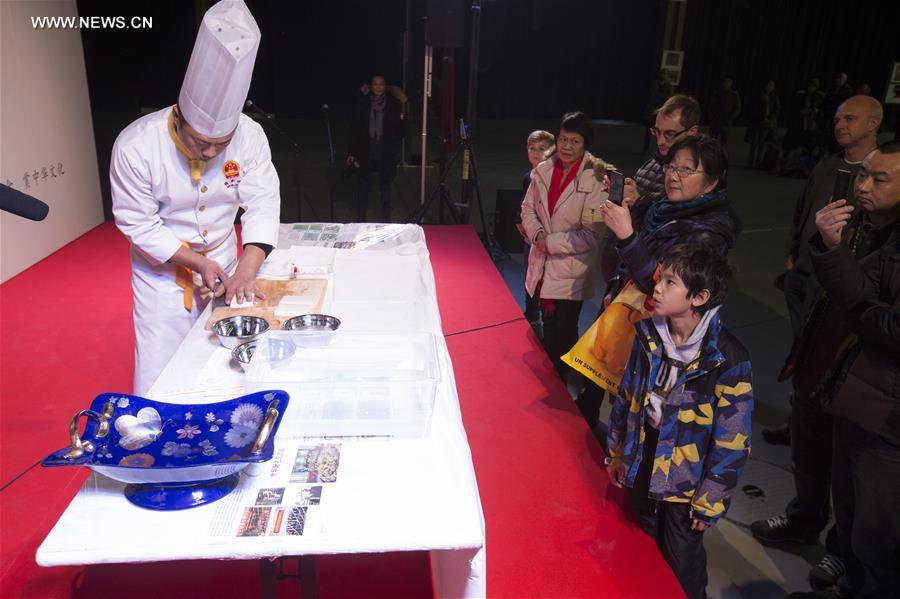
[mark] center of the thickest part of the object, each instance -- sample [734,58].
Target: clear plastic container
[348,383]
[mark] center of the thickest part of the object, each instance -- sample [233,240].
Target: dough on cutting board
[295,305]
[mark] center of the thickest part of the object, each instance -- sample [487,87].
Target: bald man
[808,430]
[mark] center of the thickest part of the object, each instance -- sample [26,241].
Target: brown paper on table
[275,291]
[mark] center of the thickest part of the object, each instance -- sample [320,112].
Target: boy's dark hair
[709,156]
[578,122]
[700,268]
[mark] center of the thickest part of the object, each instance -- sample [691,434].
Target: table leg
[306,571]
[268,574]
[309,577]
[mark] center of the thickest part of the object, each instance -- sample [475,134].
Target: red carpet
[553,529]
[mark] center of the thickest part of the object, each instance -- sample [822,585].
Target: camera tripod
[459,210]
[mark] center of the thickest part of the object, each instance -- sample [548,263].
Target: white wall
[45,121]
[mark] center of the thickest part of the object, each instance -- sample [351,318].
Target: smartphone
[616,187]
[841,185]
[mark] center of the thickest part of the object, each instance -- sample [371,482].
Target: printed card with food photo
[254,521]
[309,496]
[269,496]
[289,521]
[316,464]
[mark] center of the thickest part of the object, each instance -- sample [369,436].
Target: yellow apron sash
[184,276]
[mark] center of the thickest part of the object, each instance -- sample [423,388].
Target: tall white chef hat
[218,76]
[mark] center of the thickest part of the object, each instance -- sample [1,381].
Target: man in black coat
[376,128]
[864,398]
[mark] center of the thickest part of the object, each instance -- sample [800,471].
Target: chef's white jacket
[157,206]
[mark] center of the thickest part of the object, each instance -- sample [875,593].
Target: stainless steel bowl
[243,353]
[311,322]
[274,350]
[236,330]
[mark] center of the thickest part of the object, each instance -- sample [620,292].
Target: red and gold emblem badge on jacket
[232,171]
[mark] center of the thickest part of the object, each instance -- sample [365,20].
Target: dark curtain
[788,42]
[539,58]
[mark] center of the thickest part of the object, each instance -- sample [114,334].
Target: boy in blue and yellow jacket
[679,433]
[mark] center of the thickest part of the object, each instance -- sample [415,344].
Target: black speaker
[447,22]
[509,204]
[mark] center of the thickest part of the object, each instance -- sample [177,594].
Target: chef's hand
[698,525]
[618,219]
[242,284]
[830,221]
[209,270]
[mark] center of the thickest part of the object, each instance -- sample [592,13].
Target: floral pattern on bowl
[148,441]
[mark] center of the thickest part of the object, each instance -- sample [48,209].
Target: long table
[391,494]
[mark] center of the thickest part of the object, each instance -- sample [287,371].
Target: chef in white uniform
[178,177]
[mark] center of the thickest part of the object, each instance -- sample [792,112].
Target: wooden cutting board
[275,290]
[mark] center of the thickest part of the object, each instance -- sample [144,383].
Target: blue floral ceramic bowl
[173,456]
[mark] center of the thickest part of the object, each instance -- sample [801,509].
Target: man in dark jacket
[819,330]
[726,107]
[856,125]
[864,398]
[376,129]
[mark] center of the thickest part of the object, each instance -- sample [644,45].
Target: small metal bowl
[236,330]
[275,350]
[311,323]
[243,353]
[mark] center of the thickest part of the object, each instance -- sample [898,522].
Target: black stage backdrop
[538,57]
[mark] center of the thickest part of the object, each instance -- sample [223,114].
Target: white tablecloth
[390,494]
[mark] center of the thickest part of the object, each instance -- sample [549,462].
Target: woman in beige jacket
[560,215]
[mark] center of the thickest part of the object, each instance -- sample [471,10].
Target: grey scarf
[376,116]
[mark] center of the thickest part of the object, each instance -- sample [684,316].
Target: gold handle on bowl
[79,446]
[266,429]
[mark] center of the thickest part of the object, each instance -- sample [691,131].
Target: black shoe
[780,435]
[827,573]
[779,529]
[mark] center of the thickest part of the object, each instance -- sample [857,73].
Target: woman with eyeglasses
[695,210]
[560,215]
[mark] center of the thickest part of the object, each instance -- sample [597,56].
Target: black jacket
[712,226]
[867,390]
[392,133]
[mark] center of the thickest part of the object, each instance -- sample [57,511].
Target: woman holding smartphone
[695,210]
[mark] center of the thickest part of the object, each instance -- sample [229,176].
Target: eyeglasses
[668,135]
[680,171]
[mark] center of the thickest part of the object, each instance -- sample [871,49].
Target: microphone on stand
[255,107]
[22,204]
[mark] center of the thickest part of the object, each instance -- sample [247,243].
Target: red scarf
[557,185]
